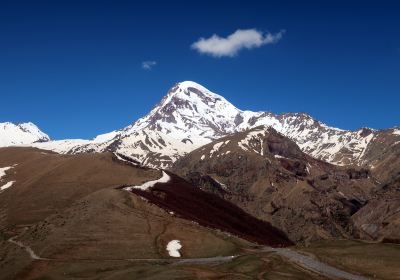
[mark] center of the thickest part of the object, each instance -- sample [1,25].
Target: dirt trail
[205,260]
[304,261]
[34,256]
[313,264]
[28,249]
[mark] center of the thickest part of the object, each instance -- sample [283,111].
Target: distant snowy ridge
[20,134]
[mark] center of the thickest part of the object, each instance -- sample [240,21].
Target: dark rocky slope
[379,219]
[267,175]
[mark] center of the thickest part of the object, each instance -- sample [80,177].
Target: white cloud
[240,39]
[147,65]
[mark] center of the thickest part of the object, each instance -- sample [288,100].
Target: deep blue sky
[74,67]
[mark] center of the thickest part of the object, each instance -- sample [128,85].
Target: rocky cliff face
[379,219]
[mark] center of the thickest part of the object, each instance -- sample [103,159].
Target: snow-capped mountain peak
[20,134]
[190,110]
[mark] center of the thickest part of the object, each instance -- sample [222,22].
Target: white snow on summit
[20,134]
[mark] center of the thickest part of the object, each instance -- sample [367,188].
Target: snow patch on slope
[164,179]
[223,186]
[173,248]
[280,157]
[216,147]
[253,141]
[61,146]
[6,186]
[3,171]
[105,137]
[2,174]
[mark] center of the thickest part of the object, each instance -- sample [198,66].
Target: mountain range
[190,116]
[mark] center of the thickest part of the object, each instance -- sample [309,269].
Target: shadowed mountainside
[209,210]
